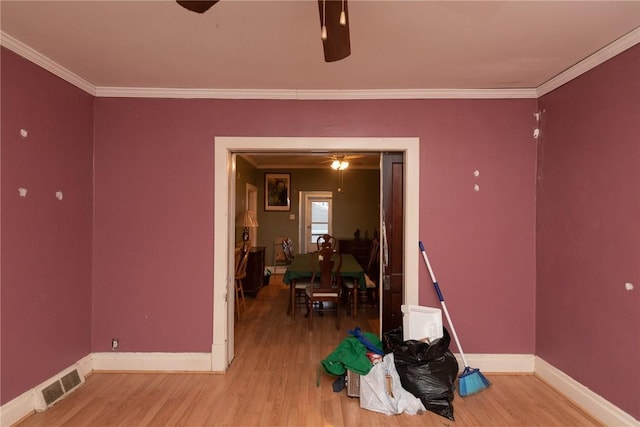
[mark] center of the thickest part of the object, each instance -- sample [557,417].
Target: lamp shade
[246,219]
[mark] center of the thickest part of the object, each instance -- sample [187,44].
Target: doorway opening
[222,349]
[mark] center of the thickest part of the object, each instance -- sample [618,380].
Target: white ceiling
[275,45]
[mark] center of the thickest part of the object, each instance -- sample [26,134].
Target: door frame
[222,351]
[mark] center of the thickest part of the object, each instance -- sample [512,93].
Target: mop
[471,380]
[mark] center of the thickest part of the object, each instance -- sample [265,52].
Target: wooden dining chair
[282,252]
[326,283]
[287,250]
[327,240]
[241,258]
[351,285]
[370,287]
[299,290]
[372,272]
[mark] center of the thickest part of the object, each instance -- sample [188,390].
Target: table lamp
[246,219]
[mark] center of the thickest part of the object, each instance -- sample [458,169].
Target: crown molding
[143,92]
[630,39]
[420,94]
[618,46]
[45,62]
[292,94]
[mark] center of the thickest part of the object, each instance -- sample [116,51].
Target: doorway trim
[224,213]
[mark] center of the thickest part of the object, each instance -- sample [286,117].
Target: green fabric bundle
[350,354]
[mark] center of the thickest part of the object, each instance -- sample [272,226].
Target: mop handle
[444,306]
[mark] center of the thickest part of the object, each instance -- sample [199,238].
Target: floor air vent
[70,380]
[59,387]
[52,392]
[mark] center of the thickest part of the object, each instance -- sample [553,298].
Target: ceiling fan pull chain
[323,33]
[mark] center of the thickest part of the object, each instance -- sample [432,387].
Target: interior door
[392,240]
[316,218]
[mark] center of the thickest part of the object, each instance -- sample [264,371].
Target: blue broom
[471,380]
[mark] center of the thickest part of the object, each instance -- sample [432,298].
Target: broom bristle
[471,381]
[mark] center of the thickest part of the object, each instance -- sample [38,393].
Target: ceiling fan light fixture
[339,165]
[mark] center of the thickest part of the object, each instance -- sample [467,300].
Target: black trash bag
[428,371]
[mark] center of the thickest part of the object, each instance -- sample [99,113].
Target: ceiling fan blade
[197,6]
[337,46]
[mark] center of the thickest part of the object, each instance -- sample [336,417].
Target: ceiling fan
[341,162]
[334,25]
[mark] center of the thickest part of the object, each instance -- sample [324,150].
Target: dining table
[300,267]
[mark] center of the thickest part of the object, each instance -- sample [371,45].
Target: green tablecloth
[301,267]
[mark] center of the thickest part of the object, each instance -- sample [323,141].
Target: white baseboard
[219,357]
[500,363]
[18,408]
[86,364]
[594,404]
[170,362]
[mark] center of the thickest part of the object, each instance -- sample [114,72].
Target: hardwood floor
[272,382]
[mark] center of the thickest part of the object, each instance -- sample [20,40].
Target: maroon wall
[588,239]
[480,244]
[46,242]
[154,209]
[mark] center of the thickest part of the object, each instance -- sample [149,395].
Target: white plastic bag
[381,391]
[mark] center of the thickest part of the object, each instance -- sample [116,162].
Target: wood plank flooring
[272,382]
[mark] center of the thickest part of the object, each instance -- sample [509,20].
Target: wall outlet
[115,343]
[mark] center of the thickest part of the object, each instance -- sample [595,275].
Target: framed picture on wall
[277,192]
